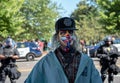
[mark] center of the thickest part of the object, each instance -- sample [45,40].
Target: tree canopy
[10,18]
[40,17]
[96,18]
[27,19]
[87,17]
[109,11]
[30,19]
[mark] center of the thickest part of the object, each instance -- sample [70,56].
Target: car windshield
[20,45]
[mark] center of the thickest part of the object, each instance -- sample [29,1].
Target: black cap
[65,23]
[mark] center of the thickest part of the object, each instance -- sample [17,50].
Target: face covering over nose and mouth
[67,40]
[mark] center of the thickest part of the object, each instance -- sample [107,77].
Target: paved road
[25,67]
[116,77]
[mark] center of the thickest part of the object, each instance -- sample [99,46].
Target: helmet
[65,23]
[108,39]
[9,42]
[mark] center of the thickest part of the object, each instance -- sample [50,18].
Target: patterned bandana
[67,40]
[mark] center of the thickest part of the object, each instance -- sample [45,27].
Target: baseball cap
[65,23]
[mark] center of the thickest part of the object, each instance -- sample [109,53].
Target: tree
[40,18]
[86,16]
[10,18]
[110,15]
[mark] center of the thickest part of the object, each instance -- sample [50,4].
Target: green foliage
[40,18]
[10,18]
[27,19]
[86,17]
[30,19]
[97,18]
[110,15]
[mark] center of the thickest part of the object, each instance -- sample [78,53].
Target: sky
[68,5]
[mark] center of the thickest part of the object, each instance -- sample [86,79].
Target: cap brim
[68,29]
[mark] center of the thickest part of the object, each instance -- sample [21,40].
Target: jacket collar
[82,65]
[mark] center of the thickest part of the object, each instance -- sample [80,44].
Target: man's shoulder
[48,56]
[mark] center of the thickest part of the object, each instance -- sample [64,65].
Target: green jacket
[49,70]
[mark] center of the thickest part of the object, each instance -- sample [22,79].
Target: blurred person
[11,41]
[8,56]
[49,46]
[65,64]
[45,45]
[113,39]
[108,55]
[83,46]
[40,44]
[1,45]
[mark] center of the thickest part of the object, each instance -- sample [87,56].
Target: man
[65,64]
[8,56]
[108,55]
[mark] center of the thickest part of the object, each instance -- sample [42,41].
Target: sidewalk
[44,53]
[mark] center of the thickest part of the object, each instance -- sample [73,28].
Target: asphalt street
[25,67]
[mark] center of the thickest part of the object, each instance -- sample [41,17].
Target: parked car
[29,50]
[93,49]
[116,43]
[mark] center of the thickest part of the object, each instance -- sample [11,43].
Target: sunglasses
[63,32]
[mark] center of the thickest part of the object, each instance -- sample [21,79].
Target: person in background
[49,46]
[45,45]
[65,63]
[1,45]
[40,44]
[108,55]
[83,46]
[8,56]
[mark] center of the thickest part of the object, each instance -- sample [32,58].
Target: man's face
[66,38]
[109,42]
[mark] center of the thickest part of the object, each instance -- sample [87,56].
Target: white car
[28,50]
[23,51]
[116,43]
